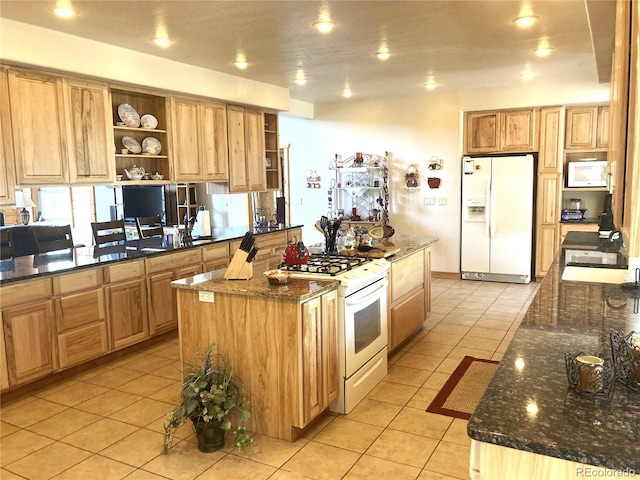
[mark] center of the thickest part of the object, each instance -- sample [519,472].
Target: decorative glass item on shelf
[313,180]
[590,374]
[626,358]
[412,178]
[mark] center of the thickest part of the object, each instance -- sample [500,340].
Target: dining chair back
[6,244]
[49,239]
[149,226]
[108,233]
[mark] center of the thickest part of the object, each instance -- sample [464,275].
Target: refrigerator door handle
[492,214]
[487,209]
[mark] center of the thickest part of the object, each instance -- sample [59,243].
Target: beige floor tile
[395,393]
[272,451]
[76,393]
[17,403]
[82,377]
[448,365]
[406,375]
[466,309]
[107,403]
[349,435]
[43,393]
[422,399]
[48,461]
[419,422]
[486,333]
[374,412]
[493,324]
[143,475]
[145,385]
[136,449]
[100,435]
[96,467]
[502,347]
[371,467]
[171,370]
[459,353]
[457,319]
[431,349]
[184,462]
[237,467]
[143,412]
[440,338]
[501,307]
[7,475]
[113,378]
[149,364]
[427,475]
[284,475]
[403,447]
[497,356]
[315,429]
[7,429]
[321,462]
[20,444]
[435,308]
[169,394]
[32,412]
[64,423]
[450,459]
[170,351]
[457,433]
[485,343]
[436,381]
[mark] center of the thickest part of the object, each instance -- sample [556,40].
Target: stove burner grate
[326,264]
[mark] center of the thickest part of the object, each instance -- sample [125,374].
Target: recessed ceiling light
[526,21]
[241,61]
[300,81]
[347,94]
[543,52]
[162,42]
[383,55]
[430,85]
[526,76]
[64,10]
[324,26]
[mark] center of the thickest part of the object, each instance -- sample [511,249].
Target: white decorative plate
[131,144]
[151,146]
[128,115]
[148,121]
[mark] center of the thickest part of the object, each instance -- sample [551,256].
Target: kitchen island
[551,431]
[281,341]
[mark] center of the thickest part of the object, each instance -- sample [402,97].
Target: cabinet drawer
[272,240]
[82,344]
[406,275]
[25,292]
[406,318]
[75,282]
[124,271]
[74,311]
[163,263]
[215,252]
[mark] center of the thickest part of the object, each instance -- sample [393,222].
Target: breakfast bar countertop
[529,405]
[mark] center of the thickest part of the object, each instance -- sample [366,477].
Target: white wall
[413,130]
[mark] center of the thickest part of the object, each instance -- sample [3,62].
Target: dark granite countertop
[32,266]
[529,406]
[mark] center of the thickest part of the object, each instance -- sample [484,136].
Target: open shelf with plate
[140,133]
[272,155]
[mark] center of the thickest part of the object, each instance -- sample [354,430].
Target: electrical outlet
[442,202]
[207,297]
[429,201]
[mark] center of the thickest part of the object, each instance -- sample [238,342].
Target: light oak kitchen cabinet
[81,316]
[199,140]
[161,271]
[409,295]
[126,297]
[500,131]
[91,144]
[28,319]
[587,127]
[7,178]
[38,126]
[247,171]
[215,256]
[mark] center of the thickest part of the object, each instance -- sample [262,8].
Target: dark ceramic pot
[209,434]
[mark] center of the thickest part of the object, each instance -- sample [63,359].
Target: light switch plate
[206,297]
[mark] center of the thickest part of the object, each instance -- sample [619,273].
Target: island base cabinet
[29,342]
[127,313]
[495,462]
[406,317]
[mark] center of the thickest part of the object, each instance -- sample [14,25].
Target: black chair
[49,239]
[149,226]
[6,244]
[108,233]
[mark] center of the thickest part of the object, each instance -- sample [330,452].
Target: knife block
[239,269]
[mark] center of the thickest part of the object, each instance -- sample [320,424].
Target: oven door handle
[365,295]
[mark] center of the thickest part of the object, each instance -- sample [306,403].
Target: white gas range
[362,317]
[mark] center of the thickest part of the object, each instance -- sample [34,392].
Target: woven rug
[464,389]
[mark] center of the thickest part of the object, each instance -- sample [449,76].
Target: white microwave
[587,174]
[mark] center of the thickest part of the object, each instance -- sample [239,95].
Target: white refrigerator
[497,218]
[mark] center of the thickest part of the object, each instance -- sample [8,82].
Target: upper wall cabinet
[550,143]
[199,140]
[272,152]
[587,128]
[500,131]
[246,150]
[7,178]
[38,128]
[91,146]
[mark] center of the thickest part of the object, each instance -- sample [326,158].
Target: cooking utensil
[247,242]
[632,286]
[367,248]
[252,254]
[319,227]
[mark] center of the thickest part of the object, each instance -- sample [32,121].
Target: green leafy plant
[210,393]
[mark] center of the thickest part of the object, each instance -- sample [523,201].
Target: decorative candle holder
[589,374]
[626,357]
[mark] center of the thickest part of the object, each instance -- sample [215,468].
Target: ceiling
[457,44]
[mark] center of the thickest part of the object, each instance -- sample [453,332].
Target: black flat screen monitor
[142,201]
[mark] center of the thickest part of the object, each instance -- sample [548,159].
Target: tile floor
[107,423]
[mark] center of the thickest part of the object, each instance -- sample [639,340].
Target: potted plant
[211,396]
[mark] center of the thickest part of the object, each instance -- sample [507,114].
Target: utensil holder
[589,378]
[625,350]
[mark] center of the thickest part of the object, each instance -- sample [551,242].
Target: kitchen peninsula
[551,431]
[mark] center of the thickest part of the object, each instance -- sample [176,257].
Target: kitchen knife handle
[252,254]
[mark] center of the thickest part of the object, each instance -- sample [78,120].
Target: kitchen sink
[595,275]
